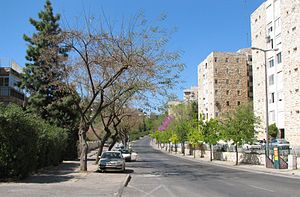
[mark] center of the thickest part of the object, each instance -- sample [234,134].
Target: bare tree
[101,57]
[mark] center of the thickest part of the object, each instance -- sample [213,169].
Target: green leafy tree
[194,134]
[239,126]
[44,74]
[272,131]
[211,133]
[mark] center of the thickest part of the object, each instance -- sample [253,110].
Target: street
[160,174]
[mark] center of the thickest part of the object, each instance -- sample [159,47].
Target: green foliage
[44,77]
[27,143]
[194,134]
[273,130]
[211,131]
[239,125]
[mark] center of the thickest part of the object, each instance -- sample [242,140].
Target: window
[239,92]
[271,63]
[238,81]
[216,59]
[216,70]
[226,60]
[227,81]
[272,97]
[216,92]
[272,116]
[205,65]
[239,103]
[227,103]
[227,70]
[6,81]
[227,92]
[271,79]
[1,81]
[216,81]
[237,60]
[278,56]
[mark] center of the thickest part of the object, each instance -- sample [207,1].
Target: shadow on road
[55,174]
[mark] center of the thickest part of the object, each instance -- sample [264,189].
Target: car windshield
[125,151]
[111,155]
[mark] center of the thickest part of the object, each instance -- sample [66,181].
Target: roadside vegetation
[237,127]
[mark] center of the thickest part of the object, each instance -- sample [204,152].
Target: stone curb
[258,171]
[123,185]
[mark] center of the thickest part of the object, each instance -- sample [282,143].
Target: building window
[278,56]
[205,65]
[237,60]
[227,92]
[227,70]
[226,60]
[227,103]
[216,81]
[238,81]
[239,103]
[216,70]
[227,81]
[216,92]
[271,79]
[216,59]
[5,81]
[272,98]
[272,116]
[271,63]
[1,81]
[239,92]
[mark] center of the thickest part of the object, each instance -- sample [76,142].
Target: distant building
[224,83]
[191,94]
[10,73]
[275,26]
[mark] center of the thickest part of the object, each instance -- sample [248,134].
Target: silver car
[112,161]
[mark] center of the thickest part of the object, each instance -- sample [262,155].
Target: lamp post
[266,97]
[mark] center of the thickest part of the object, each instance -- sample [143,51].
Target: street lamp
[266,97]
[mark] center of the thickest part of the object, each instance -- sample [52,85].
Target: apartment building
[9,78]
[224,79]
[191,94]
[275,32]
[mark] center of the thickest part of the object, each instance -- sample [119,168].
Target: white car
[126,154]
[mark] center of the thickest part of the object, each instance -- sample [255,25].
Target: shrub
[27,143]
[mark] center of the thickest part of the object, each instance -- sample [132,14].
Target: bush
[27,143]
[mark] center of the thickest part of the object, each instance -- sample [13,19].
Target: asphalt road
[162,175]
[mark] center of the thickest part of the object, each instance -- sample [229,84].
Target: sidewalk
[67,180]
[244,167]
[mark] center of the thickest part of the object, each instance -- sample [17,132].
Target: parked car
[134,156]
[126,154]
[279,142]
[112,161]
[257,145]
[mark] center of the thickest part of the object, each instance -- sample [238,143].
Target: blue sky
[203,25]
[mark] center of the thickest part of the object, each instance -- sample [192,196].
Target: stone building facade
[275,27]
[223,83]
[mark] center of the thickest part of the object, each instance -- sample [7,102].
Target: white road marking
[256,187]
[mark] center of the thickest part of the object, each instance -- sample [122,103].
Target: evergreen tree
[44,75]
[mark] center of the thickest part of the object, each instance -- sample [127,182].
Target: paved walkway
[67,180]
[245,167]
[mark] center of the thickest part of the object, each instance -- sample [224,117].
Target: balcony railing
[11,92]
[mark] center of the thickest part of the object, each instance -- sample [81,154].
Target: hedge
[27,143]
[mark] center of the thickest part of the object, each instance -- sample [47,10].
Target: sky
[202,26]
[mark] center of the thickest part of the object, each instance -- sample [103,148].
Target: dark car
[112,161]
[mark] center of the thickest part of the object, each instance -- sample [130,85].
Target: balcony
[10,95]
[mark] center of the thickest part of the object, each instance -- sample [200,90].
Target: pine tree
[44,74]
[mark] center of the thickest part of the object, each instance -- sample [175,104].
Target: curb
[258,171]
[123,185]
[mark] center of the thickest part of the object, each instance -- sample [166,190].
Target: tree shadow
[54,174]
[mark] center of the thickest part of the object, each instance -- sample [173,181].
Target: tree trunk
[194,151]
[211,151]
[182,148]
[100,150]
[236,155]
[175,147]
[112,143]
[83,146]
